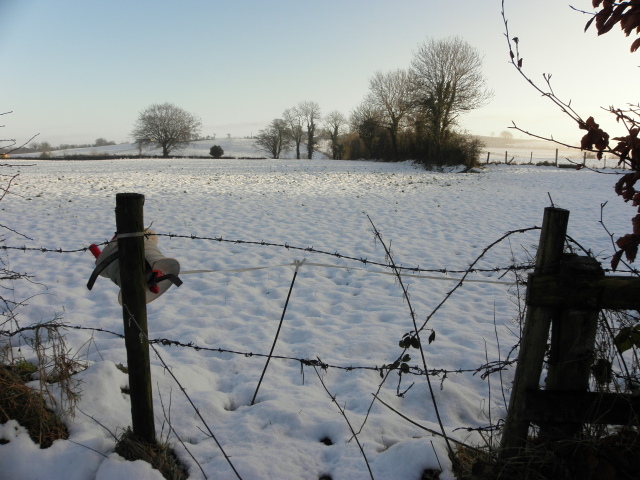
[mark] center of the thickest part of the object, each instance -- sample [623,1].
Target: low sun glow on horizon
[77,71]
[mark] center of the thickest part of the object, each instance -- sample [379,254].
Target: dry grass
[160,456]
[612,457]
[21,403]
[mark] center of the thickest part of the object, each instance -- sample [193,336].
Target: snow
[342,311]
[233,147]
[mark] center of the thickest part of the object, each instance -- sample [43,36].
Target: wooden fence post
[556,158]
[133,284]
[534,335]
[573,336]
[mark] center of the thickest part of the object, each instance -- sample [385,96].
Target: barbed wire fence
[385,369]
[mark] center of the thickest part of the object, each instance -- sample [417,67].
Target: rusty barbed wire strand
[311,249]
[485,370]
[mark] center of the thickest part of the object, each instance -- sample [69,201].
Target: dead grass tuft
[19,402]
[159,456]
[612,457]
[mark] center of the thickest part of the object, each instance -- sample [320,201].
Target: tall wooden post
[535,333]
[573,336]
[133,283]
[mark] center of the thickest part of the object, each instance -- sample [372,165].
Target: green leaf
[406,358]
[627,338]
[432,337]
[415,342]
[404,368]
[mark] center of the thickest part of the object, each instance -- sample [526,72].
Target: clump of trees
[103,142]
[275,139]
[407,114]
[216,151]
[414,113]
[165,126]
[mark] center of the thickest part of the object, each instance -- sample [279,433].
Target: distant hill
[526,143]
[233,147]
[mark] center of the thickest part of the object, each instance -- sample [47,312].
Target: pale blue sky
[77,70]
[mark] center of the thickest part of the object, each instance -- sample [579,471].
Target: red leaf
[623,242]
[616,260]
[589,23]
[631,252]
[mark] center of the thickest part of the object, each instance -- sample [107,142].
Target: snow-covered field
[233,147]
[245,148]
[342,311]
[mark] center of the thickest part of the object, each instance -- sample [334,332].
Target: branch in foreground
[433,432]
[333,399]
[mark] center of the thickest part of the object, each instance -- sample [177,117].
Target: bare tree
[275,139]
[311,114]
[334,122]
[294,119]
[366,120]
[448,80]
[505,134]
[166,126]
[391,94]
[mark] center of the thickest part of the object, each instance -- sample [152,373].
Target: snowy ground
[245,148]
[342,311]
[232,147]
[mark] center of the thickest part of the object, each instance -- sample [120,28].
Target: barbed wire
[311,249]
[485,370]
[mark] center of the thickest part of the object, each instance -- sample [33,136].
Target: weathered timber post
[573,336]
[556,158]
[576,294]
[130,225]
[535,334]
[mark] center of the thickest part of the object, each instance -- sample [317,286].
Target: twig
[18,148]
[495,329]
[273,346]
[433,432]
[184,392]
[417,335]
[168,419]
[482,254]
[94,419]
[333,399]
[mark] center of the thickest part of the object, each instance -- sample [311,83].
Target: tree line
[408,113]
